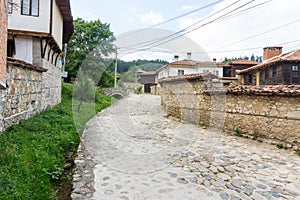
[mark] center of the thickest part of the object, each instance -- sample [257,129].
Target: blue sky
[263,26]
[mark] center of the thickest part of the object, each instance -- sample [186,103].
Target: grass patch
[279,146]
[32,153]
[298,152]
[238,132]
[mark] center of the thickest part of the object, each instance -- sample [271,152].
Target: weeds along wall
[22,97]
[269,113]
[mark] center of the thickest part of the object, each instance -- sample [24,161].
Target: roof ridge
[289,54]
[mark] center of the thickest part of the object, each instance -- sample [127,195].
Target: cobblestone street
[133,151]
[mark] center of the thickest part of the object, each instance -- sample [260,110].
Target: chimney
[176,57]
[189,56]
[270,52]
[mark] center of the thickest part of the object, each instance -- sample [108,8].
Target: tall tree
[91,42]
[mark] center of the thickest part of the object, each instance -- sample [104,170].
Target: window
[30,7]
[295,75]
[295,68]
[180,72]
[10,6]
[11,50]
[205,71]
[216,72]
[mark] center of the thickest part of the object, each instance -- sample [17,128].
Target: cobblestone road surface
[133,151]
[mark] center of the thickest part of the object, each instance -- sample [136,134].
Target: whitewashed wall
[57,28]
[24,47]
[16,21]
[173,71]
[214,70]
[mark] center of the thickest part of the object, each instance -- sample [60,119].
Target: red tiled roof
[268,90]
[290,56]
[21,63]
[244,62]
[199,76]
[185,63]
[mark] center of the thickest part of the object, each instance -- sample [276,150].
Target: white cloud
[151,18]
[258,20]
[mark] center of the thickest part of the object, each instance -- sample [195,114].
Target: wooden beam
[43,48]
[56,58]
[28,33]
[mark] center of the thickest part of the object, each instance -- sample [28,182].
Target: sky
[248,27]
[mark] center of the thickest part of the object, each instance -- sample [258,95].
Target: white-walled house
[178,68]
[183,67]
[37,30]
[212,67]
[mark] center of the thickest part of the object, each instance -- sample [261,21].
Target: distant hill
[146,65]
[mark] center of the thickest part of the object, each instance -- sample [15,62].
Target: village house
[147,79]
[3,40]
[37,31]
[276,69]
[31,51]
[230,70]
[189,66]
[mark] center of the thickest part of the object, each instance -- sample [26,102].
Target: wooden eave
[65,9]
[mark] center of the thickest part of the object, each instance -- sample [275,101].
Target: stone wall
[51,85]
[270,113]
[3,40]
[155,90]
[23,96]
[51,80]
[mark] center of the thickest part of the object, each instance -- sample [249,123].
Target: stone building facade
[3,40]
[270,113]
[30,56]
[23,96]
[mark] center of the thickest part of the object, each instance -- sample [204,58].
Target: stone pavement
[133,151]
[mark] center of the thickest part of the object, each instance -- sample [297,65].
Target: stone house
[276,69]
[3,40]
[30,56]
[148,79]
[37,31]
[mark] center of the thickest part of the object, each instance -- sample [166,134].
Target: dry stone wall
[3,40]
[270,113]
[51,85]
[23,96]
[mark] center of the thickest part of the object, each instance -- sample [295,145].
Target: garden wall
[23,96]
[3,40]
[270,113]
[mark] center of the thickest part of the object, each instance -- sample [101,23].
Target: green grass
[32,152]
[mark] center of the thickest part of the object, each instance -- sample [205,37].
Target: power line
[171,19]
[151,42]
[259,34]
[221,51]
[246,10]
[184,33]
[188,13]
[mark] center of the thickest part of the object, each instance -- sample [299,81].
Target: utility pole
[116,68]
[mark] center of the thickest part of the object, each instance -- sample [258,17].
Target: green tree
[89,45]
[84,89]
